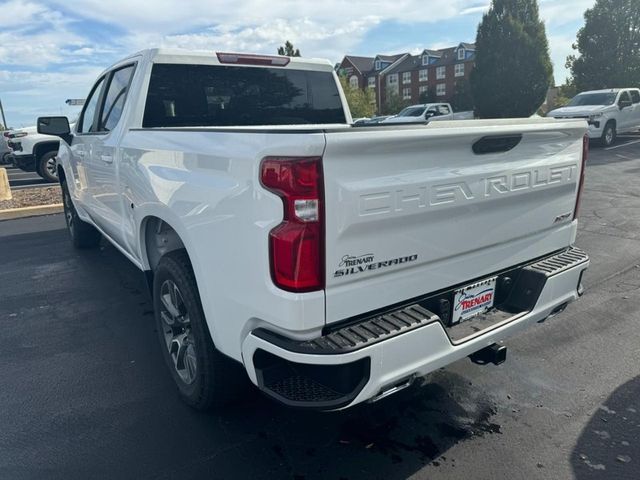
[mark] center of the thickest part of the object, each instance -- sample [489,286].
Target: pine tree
[513,70]
[288,50]
[609,46]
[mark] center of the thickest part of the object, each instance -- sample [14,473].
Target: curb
[13,213]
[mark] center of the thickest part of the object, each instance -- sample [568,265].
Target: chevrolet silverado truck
[428,112]
[334,264]
[34,152]
[608,112]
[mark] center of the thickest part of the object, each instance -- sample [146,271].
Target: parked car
[428,112]
[333,264]
[371,121]
[34,152]
[5,151]
[608,112]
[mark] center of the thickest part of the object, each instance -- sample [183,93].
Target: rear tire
[609,134]
[205,377]
[83,235]
[47,167]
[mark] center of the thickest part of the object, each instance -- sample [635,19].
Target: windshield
[592,99]
[411,112]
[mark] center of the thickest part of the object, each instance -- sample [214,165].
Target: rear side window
[222,96]
[635,96]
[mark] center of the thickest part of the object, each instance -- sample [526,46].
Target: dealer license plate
[473,300]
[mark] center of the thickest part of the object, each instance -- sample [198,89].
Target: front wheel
[47,167]
[205,377]
[82,234]
[609,135]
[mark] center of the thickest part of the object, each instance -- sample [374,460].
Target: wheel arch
[41,148]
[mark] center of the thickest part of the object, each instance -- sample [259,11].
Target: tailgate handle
[496,144]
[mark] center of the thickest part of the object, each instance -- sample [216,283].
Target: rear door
[635,98]
[413,210]
[626,115]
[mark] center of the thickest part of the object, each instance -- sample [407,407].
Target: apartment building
[409,76]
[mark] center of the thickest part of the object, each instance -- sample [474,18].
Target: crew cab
[34,152]
[334,264]
[428,112]
[608,112]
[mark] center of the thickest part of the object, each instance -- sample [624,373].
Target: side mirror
[429,114]
[57,126]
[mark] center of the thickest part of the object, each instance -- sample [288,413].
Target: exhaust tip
[494,353]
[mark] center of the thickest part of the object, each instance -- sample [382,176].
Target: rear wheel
[609,135]
[82,234]
[205,377]
[47,167]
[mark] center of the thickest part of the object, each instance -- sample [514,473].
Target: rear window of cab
[182,95]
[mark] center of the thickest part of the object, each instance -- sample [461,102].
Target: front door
[103,161]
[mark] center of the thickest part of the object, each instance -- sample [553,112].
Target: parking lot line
[623,145]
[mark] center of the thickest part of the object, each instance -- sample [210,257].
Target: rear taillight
[297,244]
[585,154]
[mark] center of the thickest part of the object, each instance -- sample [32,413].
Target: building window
[424,75]
[371,82]
[459,70]
[461,54]
[392,79]
[377,64]
[353,81]
[406,77]
[425,60]
[423,89]
[406,93]
[441,89]
[440,73]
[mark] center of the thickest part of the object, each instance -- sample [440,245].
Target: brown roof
[363,64]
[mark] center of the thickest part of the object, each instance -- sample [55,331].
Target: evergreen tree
[429,96]
[513,70]
[609,46]
[288,50]
[462,100]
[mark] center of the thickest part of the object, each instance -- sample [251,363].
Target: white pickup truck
[608,112]
[34,152]
[428,112]
[334,264]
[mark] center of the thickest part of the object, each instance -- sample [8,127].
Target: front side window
[182,95]
[440,73]
[624,98]
[635,96]
[115,98]
[443,110]
[87,117]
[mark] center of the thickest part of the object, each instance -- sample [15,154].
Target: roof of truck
[210,57]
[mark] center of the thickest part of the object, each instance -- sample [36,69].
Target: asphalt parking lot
[84,392]
[19,179]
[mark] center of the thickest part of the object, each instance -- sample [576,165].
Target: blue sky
[51,51]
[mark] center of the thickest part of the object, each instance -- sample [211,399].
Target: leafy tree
[288,50]
[393,103]
[361,102]
[513,70]
[429,96]
[609,46]
[462,100]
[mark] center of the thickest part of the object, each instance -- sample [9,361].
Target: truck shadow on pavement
[86,393]
[609,445]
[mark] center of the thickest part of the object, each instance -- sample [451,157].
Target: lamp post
[4,121]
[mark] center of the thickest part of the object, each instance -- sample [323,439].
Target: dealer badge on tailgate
[473,300]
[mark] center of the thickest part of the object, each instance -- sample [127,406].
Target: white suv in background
[608,112]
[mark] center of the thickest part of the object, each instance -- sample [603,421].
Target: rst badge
[473,300]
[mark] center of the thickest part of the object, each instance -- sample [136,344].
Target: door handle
[106,158]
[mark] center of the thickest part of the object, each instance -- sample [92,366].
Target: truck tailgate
[415,210]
